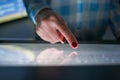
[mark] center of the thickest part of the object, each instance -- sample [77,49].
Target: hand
[53,29]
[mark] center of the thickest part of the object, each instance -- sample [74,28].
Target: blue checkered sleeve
[115,17]
[34,6]
[87,19]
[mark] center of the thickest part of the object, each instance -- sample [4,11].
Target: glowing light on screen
[15,54]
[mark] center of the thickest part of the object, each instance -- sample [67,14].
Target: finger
[60,19]
[69,36]
[61,37]
[64,30]
[51,32]
[55,33]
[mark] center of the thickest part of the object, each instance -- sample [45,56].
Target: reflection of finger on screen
[69,58]
[50,56]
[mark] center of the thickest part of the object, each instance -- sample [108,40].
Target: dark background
[61,73]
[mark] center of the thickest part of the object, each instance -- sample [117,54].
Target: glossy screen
[59,54]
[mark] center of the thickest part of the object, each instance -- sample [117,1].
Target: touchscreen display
[60,54]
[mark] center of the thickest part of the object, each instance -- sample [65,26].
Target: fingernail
[63,39]
[74,44]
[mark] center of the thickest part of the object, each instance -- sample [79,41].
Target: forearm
[35,6]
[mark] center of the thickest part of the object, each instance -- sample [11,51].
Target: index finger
[64,30]
[68,35]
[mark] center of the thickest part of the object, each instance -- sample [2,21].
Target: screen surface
[59,54]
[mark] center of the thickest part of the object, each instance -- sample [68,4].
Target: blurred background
[15,24]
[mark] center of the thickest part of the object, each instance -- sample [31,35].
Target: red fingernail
[74,44]
[63,39]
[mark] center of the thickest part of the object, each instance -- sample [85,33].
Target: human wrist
[43,14]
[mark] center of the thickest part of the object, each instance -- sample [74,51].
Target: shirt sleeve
[115,18]
[34,6]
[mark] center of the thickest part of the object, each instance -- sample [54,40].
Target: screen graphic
[11,10]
